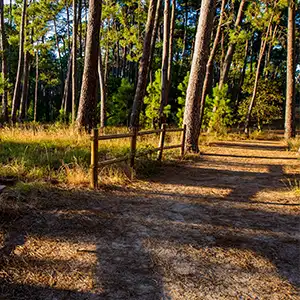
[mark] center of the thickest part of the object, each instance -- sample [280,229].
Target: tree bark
[165,59]
[87,104]
[17,90]
[231,48]
[36,85]
[171,44]
[291,68]
[3,49]
[154,33]
[74,62]
[59,54]
[68,25]
[66,96]
[25,86]
[209,66]
[102,92]
[143,69]
[197,74]
[242,78]
[259,62]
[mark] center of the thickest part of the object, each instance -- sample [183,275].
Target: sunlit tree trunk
[291,68]
[25,86]
[197,75]
[87,105]
[171,45]
[209,66]
[165,59]
[102,91]
[3,49]
[17,90]
[143,68]
[74,61]
[154,34]
[36,91]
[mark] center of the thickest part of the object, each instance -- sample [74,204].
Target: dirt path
[224,226]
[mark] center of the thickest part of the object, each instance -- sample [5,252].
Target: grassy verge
[59,154]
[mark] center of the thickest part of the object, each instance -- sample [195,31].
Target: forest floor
[225,225]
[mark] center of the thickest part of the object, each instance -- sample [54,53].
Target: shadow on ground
[123,223]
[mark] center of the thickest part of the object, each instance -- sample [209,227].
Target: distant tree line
[210,65]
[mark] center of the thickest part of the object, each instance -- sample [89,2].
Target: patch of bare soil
[222,226]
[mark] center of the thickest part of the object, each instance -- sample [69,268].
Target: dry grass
[59,154]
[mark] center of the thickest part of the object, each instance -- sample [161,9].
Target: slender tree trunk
[154,33]
[171,44]
[74,62]
[3,49]
[242,78]
[258,69]
[67,95]
[59,54]
[291,68]
[80,27]
[102,91]
[25,86]
[268,56]
[36,85]
[165,59]
[185,31]
[17,90]
[209,66]
[68,25]
[231,48]
[197,75]
[144,65]
[87,105]
[106,64]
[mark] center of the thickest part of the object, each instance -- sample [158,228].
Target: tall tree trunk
[102,91]
[165,59]
[17,90]
[291,68]
[154,33]
[80,27]
[184,41]
[242,78]
[36,91]
[258,69]
[197,75]
[25,86]
[171,43]
[67,95]
[74,61]
[268,55]
[209,66]
[144,65]
[68,25]
[3,49]
[87,105]
[231,48]
[59,54]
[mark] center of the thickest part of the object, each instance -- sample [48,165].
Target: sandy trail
[222,226]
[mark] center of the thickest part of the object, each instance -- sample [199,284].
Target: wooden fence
[95,163]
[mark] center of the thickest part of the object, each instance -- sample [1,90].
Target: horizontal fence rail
[95,163]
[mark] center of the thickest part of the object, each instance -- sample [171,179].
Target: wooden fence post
[94,159]
[134,131]
[161,141]
[183,141]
